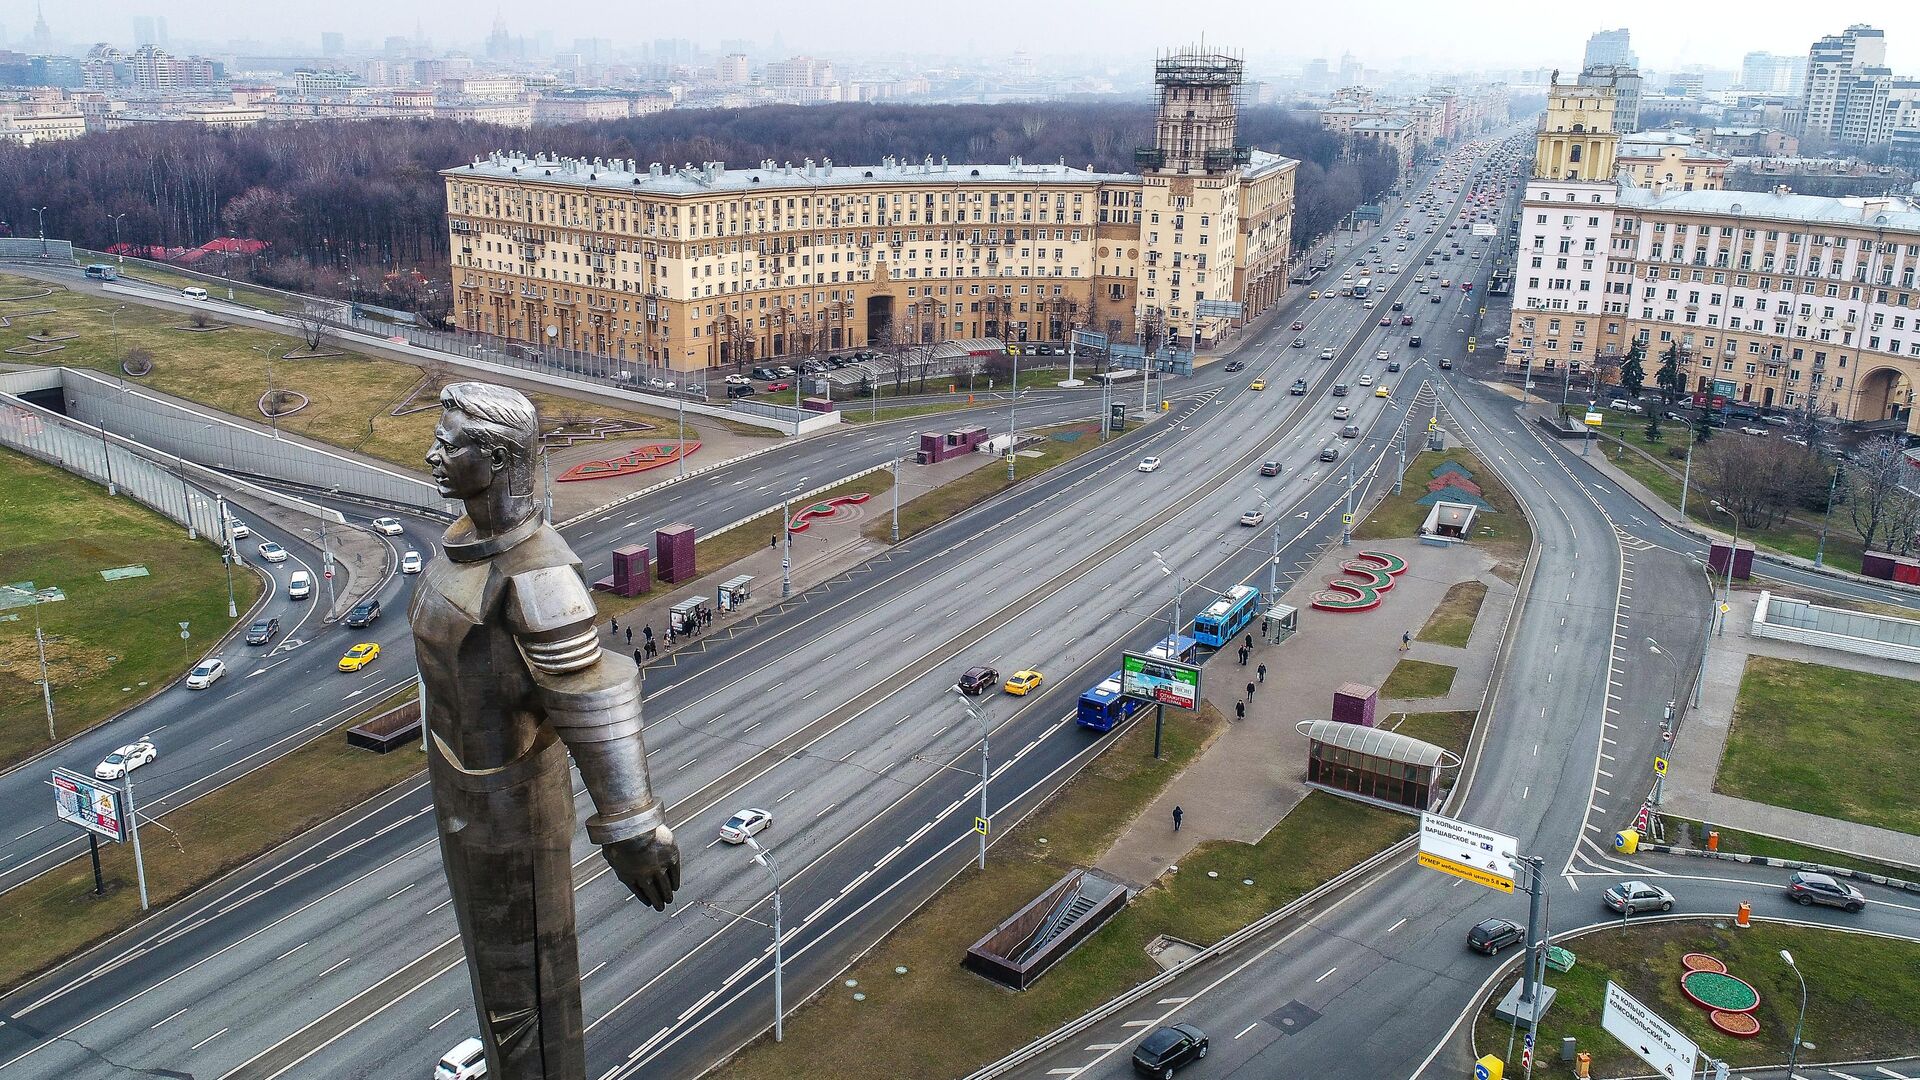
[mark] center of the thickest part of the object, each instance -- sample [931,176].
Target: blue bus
[1102,706]
[1182,648]
[1226,617]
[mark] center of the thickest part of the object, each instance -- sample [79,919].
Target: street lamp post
[42,211]
[1686,476]
[986,769]
[227,553]
[1173,645]
[765,859]
[1726,595]
[1820,553]
[1793,1052]
[119,252]
[1013,399]
[786,540]
[896,500]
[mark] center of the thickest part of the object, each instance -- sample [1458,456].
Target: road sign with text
[1655,1041]
[1491,856]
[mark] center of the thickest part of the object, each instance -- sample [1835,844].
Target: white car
[467,1061]
[410,563]
[389,526]
[273,552]
[744,824]
[1341,412]
[739,380]
[299,585]
[1253,517]
[1623,405]
[241,530]
[1366,380]
[206,673]
[125,760]
[1381,355]
[1150,464]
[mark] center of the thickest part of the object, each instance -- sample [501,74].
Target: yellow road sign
[1469,873]
[1659,766]
[980,825]
[1433,422]
[1346,519]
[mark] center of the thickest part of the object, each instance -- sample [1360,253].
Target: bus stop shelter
[733,592]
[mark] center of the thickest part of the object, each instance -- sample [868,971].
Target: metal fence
[221,443]
[29,247]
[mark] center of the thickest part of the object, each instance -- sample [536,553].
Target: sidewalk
[1253,774]
[1703,738]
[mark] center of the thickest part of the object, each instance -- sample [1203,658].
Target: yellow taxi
[1020,682]
[1257,384]
[1381,390]
[360,656]
[1313,295]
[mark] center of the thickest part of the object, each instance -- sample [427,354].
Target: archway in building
[879,319]
[1884,394]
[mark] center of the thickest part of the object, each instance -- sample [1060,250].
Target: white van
[464,1062]
[299,585]
[194,292]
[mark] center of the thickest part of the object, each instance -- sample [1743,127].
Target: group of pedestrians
[647,648]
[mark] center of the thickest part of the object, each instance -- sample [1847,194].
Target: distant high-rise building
[1319,74]
[1610,47]
[1834,63]
[499,46]
[143,31]
[1773,73]
[1625,82]
[1349,70]
[333,43]
[734,70]
[42,39]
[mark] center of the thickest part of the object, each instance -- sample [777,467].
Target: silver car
[1807,887]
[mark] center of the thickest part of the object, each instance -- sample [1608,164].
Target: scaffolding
[1200,91]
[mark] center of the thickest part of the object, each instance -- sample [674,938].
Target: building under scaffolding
[1199,111]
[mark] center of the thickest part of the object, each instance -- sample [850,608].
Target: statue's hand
[649,864]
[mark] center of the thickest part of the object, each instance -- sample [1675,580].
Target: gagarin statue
[515,680]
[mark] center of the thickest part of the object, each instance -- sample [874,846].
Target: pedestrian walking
[613,624]
[1249,691]
[1249,643]
[647,631]
[1178,816]
[773,541]
[1263,673]
[1239,710]
[636,658]
[652,649]
[629,635]
[1406,640]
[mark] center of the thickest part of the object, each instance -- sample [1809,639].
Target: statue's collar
[462,545]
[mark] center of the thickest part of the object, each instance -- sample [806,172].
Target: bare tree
[1875,499]
[312,322]
[1760,481]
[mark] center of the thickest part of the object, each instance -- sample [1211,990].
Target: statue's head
[486,434]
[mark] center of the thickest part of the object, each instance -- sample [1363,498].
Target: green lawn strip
[948,500]
[55,915]
[960,1020]
[1733,841]
[1417,679]
[1503,534]
[1860,998]
[351,396]
[1452,622]
[715,553]
[109,644]
[1447,730]
[1827,741]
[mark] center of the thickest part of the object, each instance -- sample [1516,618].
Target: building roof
[1382,125]
[714,177]
[1378,742]
[1887,213]
[1657,138]
[1260,163]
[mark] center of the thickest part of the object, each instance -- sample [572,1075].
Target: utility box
[1354,703]
[1725,555]
[673,548]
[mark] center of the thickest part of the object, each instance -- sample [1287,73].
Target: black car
[364,613]
[1236,365]
[1413,341]
[978,679]
[1446,364]
[1167,1049]
[1495,934]
[263,631]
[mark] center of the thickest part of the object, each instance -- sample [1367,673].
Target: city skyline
[1397,35]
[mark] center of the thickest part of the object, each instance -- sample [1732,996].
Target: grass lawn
[977,1021]
[1827,741]
[1859,1005]
[714,553]
[351,396]
[1060,445]
[1418,679]
[1447,730]
[110,643]
[1503,534]
[1742,843]
[57,914]
[1452,622]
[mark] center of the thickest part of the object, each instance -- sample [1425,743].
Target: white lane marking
[1329,971]
[291,951]
[1248,1028]
[443,1019]
[164,1021]
[209,1038]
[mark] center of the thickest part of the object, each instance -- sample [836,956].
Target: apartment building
[1671,159]
[1776,300]
[704,265]
[1833,65]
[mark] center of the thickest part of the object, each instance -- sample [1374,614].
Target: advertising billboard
[1161,681]
[91,804]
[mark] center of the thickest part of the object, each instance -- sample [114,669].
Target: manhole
[1291,1017]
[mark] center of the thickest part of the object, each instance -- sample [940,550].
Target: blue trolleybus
[1226,617]
[1102,706]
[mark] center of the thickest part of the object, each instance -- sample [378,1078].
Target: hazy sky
[1384,33]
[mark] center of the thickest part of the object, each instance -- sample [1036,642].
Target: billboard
[1482,229]
[1489,855]
[1161,681]
[91,804]
[1655,1041]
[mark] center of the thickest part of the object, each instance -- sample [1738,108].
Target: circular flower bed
[1737,1024]
[1699,961]
[1716,990]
